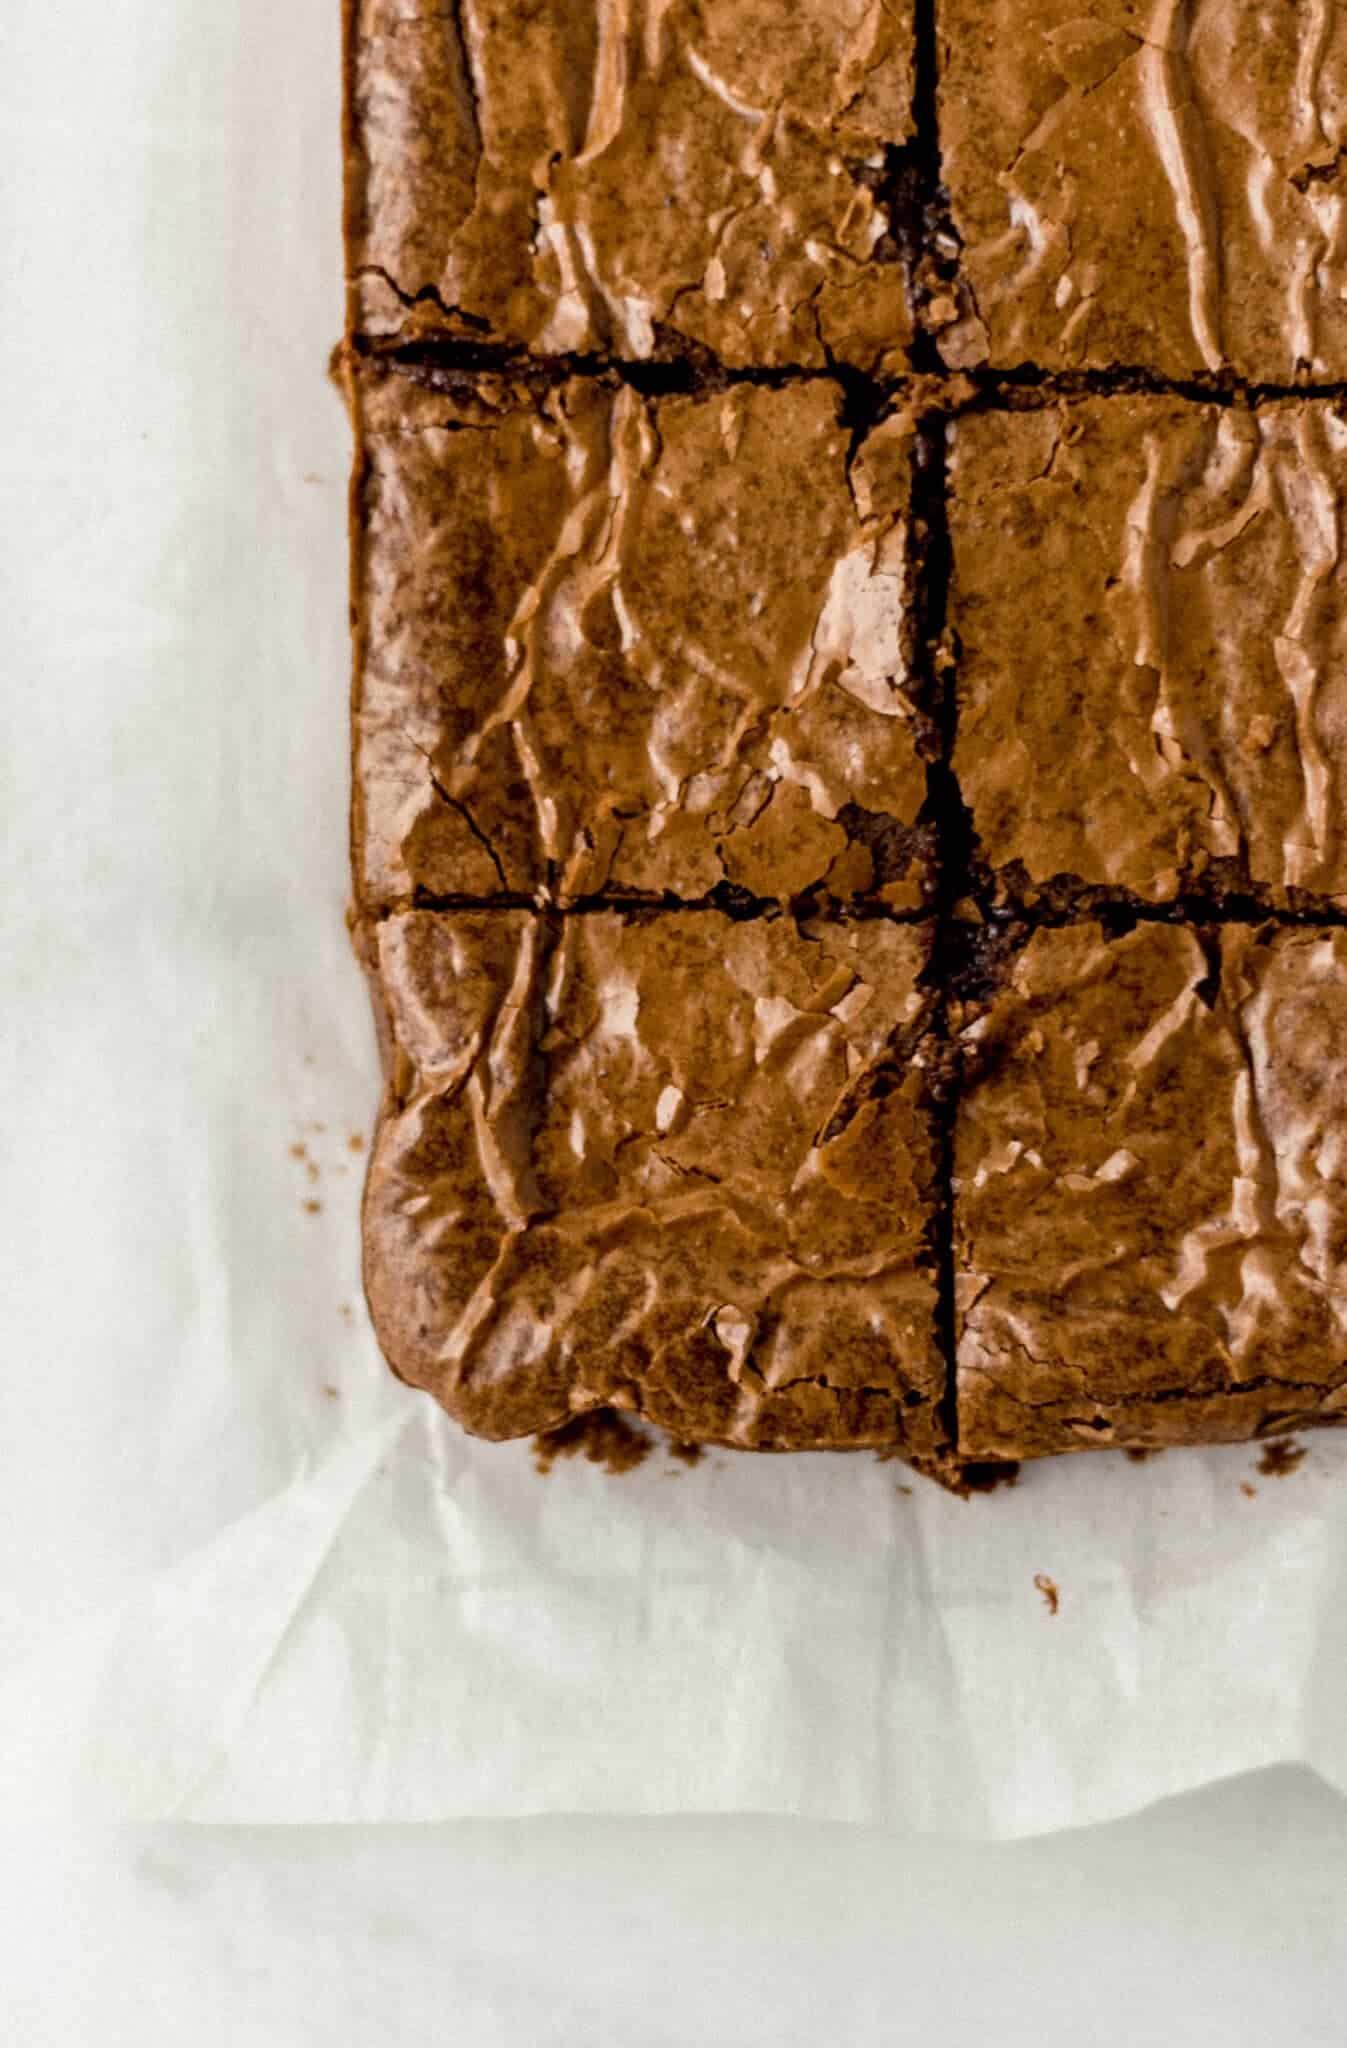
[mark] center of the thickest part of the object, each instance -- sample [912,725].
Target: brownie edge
[683,1166]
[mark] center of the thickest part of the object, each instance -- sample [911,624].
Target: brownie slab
[614,643]
[1149,597]
[1140,182]
[1150,1203]
[563,176]
[683,1166]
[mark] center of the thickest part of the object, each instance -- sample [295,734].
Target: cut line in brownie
[568,178]
[679,1165]
[616,644]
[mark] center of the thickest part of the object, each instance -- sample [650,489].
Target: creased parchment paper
[245,1575]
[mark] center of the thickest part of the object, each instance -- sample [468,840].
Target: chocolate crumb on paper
[1048,1588]
[603,1437]
[1280,1460]
[987,1477]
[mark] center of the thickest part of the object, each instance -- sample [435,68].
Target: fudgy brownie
[850,721]
[1150,1194]
[684,1165]
[646,645]
[573,177]
[1149,182]
[1151,606]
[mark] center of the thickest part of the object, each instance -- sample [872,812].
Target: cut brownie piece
[682,1166]
[1150,183]
[616,643]
[1150,1199]
[1150,600]
[567,177]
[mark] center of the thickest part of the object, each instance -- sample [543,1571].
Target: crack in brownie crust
[849,719]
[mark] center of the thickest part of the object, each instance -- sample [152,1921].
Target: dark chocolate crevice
[1223,894]
[727,900]
[678,367]
[681,367]
[944,812]
[911,188]
[1020,386]
[923,223]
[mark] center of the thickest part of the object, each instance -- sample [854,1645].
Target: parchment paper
[243,1574]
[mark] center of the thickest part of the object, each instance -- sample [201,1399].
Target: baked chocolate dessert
[850,715]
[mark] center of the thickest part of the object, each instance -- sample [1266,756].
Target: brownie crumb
[1279,1460]
[1249,1492]
[686,1454]
[985,1478]
[602,1437]
[1048,1588]
[1141,1454]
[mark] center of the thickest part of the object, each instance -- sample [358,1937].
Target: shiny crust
[1149,182]
[578,175]
[622,644]
[990,675]
[684,1167]
[1150,1195]
[1152,611]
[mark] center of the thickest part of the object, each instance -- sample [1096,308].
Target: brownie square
[615,643]
[563,177]
[1149,184]
[1150,1203]
[1149,599]
[683,1166]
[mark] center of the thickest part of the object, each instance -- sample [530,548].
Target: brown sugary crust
[1151,1219]
[683,1166]
[1148,185]
[848,717]
[1151,588]
[566,178]
[642,645]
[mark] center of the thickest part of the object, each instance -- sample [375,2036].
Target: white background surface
[244,1576]
[1214,1921]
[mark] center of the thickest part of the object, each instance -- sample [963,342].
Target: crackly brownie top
[1152,614]
[850,714]
[1149,1184]
[1139,182]
[620,643]
[684,1165]
[571,177]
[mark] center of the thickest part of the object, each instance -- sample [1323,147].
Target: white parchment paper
[243,1573]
